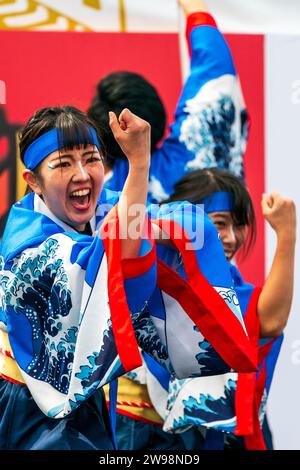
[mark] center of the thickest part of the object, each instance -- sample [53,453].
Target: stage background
[51,55]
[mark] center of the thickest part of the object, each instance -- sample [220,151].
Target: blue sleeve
[119,175]
[210,59]
[64,328]
[211,121]
[243,289]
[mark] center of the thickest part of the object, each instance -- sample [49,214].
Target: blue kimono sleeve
[67,336]
[211,121]
[195,308]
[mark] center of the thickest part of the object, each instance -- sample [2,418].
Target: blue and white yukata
[211,121]
[74,316]
[229,405]
[210,129]
[220,407]
[63,305]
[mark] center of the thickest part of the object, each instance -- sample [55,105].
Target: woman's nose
[80,172]
[228,235]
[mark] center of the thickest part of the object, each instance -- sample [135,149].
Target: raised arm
[210,55]
[192,6]
[210,128]
[133,135]
[275,300]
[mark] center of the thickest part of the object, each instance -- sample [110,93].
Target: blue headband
[218,202]
[46,144]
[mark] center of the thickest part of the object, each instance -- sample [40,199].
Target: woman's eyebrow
[70,155]
[222,216]
[65,155]
[88,152]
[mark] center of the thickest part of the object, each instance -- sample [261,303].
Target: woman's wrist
[286,237]
[193,6]
[141,166]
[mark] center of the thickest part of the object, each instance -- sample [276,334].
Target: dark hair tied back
[198,184]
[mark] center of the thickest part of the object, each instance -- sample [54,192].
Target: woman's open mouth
[228,255]
[80,199]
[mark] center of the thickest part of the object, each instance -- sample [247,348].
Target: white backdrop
[283,173]
[278,19]
[257,16]
[234,16]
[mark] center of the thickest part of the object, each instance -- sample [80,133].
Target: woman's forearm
[132,210]
[275,300]
[133,135]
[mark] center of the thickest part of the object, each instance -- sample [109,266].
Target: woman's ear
[32,181]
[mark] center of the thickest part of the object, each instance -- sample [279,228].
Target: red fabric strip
[137,404]
[250,389]
[264,350]
[256,440]
[120,315]
[215,319]
[246,383]
[10,379]
[180,290]
[133,267]
[244,403]
[198,19]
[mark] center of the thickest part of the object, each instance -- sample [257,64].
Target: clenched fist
[280,213]
[133,135]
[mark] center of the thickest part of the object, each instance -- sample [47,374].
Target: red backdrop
[42,69]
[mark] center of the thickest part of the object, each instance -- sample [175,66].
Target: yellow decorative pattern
[93,4]
[130,391]
[8,365]
[39,15]
[34,15]
[122,14]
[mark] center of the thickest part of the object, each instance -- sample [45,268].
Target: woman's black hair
[198,184]
[120,90]
[74,129]
[73,124]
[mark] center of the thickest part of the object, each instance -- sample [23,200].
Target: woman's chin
[79,222]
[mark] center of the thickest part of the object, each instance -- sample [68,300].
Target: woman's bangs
[241,207]
[74,135]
